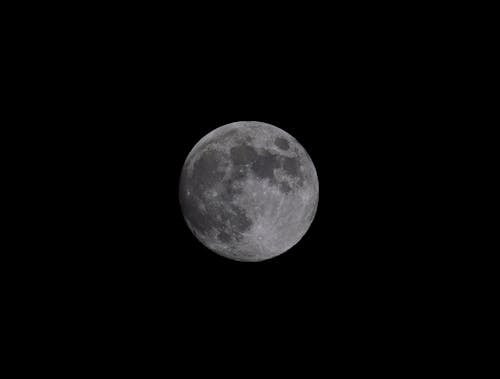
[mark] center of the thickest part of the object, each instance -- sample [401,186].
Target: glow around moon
[248,191]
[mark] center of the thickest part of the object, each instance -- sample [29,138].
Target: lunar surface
[248,191]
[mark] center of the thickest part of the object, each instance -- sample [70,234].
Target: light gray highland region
[248,191]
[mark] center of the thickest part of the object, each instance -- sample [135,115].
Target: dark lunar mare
[264,166]
[243,154]
[263,163]
[281,143]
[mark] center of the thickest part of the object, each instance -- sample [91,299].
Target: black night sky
[347,118]
[109,99]
[354,102]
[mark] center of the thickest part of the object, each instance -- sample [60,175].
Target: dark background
[128,98]
[355,110]
[353,101]
[107,102]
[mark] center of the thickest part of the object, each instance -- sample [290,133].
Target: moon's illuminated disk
[248,191]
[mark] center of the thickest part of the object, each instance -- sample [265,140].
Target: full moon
[248,191]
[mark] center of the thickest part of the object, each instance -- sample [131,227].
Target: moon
[248,191]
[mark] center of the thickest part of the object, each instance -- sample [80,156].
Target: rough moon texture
[248,191]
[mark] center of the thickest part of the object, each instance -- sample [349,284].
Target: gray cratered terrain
[248,191]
